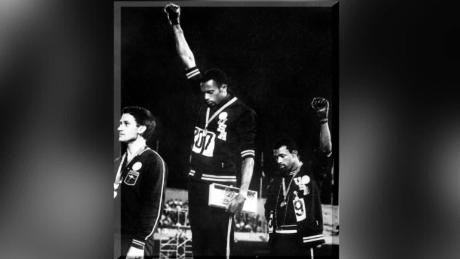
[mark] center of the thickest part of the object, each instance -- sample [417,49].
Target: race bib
[299,207]
[204,142]
[270,223]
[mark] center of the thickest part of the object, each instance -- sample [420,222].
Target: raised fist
[173,13]
[321,107]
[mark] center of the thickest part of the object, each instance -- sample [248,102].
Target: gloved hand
[173,13]
[321,107]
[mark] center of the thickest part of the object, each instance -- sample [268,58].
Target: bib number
[204,142]
[299,209]
[270,223]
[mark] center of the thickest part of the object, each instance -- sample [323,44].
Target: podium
[175,241]
[178,245]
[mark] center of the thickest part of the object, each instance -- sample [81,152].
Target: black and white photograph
[226,129]
[229,129]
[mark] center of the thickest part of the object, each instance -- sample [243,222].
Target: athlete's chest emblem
[302,183]
[221,126]
[131,177]
[137,166]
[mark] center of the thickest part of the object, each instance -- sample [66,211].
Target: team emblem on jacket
[221,126]
[137,166]
[131,178]
[302,183]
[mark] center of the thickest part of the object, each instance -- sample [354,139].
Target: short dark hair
[288,142]
[215,74]
[143,117]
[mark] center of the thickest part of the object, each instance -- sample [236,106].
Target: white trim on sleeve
[248,152]
[192,73]
[163,170]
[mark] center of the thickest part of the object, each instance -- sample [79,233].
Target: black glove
[321,107]
[173,13]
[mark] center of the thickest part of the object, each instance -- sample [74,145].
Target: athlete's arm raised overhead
[320,106]
[185,53]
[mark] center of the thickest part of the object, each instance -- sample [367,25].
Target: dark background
[277,59]
[399,129]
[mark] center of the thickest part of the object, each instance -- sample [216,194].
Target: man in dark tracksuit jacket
[293,206]
[139,186]
[223,145]
[219,147]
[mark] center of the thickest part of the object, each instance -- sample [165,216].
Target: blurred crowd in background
[175,214]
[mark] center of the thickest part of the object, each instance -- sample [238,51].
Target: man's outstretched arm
[183,49]
[321,107]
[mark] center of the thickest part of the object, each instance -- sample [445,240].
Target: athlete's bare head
[136,121]
[285,153]
[214,86]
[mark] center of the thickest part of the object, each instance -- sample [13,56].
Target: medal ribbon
[208,120]
[118,176]
[285,192]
